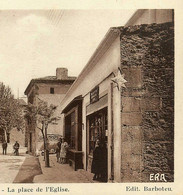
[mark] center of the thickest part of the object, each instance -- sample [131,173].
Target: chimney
[62,73]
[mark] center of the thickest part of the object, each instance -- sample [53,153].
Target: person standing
[63,151]
[16,148]
[96,167]
[4,146]
[104,162]
[58,150]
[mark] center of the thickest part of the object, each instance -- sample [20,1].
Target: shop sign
[94,95]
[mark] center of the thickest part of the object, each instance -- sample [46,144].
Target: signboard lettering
[94,95]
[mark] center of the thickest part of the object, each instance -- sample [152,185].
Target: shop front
[73,132]
[99,115]
[97,129]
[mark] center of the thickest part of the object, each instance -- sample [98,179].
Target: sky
[33,43]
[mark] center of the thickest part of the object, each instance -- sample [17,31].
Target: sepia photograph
[87,96]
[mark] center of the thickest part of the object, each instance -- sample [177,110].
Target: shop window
[52,90]
[97,129]
[73,129]
[30,140]
[70,130]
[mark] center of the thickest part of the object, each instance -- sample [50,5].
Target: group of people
[15,147]
[99,163]
[61,151]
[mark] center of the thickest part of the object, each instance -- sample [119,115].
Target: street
[29,169]
[61,173]
[18,169]
[10,166]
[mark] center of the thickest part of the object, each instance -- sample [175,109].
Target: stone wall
[147,59]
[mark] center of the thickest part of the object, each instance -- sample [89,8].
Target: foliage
[42,113]
[11,113]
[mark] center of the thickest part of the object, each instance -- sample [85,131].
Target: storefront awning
[73,103]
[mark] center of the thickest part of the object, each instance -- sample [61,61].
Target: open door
[98,129]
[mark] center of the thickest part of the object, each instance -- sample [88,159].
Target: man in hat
[4,146]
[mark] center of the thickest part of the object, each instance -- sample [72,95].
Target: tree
[41,115]
[11,114]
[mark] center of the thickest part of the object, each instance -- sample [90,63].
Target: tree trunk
[42,131]
[46,151]
[5,135]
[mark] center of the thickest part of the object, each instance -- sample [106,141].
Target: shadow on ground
[29,169]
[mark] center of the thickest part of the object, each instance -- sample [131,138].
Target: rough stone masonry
[147,59]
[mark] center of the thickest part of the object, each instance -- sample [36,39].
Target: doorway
[68,129]
[30,139]
[98,129]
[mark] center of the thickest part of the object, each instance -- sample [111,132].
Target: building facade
[52,90]
[135,121]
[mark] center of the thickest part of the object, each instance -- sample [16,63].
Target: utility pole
[18,93]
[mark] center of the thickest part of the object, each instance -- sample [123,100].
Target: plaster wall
[149,16]
[44,88]
[103,68]
[100,75]
[19,136]
[43,92]
[104,89]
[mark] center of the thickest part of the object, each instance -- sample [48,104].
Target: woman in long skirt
[63,151]
[96,167]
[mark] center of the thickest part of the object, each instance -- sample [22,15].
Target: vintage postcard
[88,100]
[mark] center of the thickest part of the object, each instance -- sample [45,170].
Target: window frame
[52,90]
